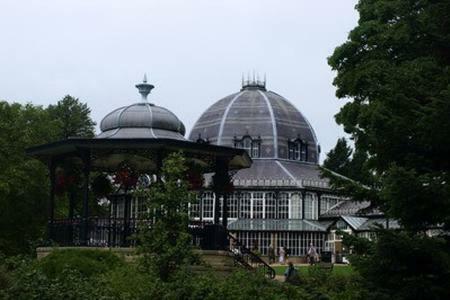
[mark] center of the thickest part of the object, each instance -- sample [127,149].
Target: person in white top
[282,254]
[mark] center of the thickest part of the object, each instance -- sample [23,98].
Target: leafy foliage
[166,243]
[22,179]
[403,266]
[395,68]
[87,262]
[108,277]
[73,118]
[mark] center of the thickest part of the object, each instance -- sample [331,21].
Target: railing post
[126,220]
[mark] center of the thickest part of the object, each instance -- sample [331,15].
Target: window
[283,206]
[271,207]
[194,209]
[245,206]
[258,205]
[327,202]
[250,239]
[208,205]
[298,150]
[310,206]
[252,146]
[296,206]
[232,206]
[298,242]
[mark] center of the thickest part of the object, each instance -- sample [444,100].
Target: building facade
[280,199]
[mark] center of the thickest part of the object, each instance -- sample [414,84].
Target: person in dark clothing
[291,275]
[271,254]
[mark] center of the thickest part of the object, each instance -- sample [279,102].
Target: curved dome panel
[142,120]
[261,114]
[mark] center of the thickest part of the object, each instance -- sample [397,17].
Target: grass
[303,269]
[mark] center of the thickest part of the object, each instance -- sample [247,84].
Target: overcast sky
[194,52]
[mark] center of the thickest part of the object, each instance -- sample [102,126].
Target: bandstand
[139,135]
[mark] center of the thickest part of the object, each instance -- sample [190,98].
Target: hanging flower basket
[101,186]
[126,176]
[67,177]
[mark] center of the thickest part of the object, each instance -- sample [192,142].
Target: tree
[339,157]
[395,68]
[166,243]
[23,180]
[73,117]
[348,171]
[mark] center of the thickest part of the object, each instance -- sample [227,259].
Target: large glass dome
[261,121]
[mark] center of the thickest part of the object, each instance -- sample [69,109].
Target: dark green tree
[348,171]
[166,243]
[395,68]
[23,180]
[338,159]
[73,117]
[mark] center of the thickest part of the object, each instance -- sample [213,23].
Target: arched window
[298,150]
[252,146]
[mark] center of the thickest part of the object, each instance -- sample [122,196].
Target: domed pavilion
[137,136]
[279,199]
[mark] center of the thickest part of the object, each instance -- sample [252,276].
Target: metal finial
[144,88]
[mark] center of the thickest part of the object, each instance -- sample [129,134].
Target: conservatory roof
[278,225]
[368,224]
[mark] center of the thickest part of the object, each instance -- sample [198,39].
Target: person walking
[271,253]
[312,254]
[282,254]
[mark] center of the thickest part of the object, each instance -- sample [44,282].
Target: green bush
[87,262]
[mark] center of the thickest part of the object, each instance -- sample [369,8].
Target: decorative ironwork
[101,232]
[249,260]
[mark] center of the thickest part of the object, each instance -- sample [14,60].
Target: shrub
[87,262]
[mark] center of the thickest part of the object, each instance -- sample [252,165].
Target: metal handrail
[248,259]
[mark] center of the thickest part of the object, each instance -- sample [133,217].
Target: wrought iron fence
[94,232]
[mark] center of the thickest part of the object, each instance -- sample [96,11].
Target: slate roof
[141,120]
[280,173]
[260,113]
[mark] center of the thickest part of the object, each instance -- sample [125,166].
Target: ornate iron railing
[119,232]
[100,232]
[249,260]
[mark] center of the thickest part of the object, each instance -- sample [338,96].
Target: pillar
[225,210]
[86,157]
[303,204]
[51,203]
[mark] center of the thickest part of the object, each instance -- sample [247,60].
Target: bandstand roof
[108,154]
[140,134]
